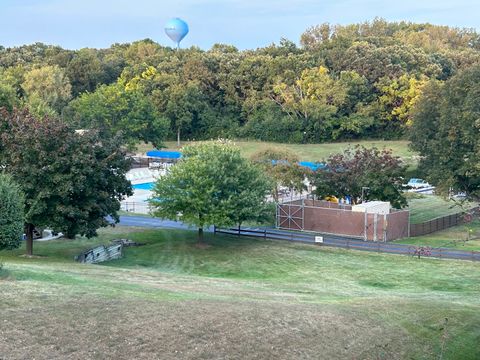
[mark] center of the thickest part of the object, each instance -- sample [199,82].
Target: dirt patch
[89,328]
[202,246]
[25,256]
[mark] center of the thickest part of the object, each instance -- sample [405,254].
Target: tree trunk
[178,137]
[200,235]
[29,231]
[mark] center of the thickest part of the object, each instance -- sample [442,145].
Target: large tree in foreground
[11,213]
[446,133]
[71,182]
[378,172]
[211,185]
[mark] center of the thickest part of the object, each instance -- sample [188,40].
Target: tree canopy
[71,181]
[344,81]
[362,173]
[114,110]
[446,132]
[282,167]
[211,185]
[11,213]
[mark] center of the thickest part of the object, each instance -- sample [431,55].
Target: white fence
[135,207]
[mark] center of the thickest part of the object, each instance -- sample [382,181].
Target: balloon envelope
[176,29]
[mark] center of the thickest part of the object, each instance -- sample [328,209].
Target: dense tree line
[446,133]
[342,82]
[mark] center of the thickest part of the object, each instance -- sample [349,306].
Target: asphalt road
[148,222]
[328,240]
[357,244]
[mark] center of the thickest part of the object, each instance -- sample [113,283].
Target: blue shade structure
[164,154]
[176,29]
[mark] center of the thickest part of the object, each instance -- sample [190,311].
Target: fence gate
[290,217]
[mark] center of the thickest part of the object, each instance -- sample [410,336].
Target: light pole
[363,191]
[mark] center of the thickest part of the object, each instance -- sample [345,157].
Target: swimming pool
[144,186]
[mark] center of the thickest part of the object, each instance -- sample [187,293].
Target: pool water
[144,186]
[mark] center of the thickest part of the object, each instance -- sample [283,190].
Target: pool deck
[140,196]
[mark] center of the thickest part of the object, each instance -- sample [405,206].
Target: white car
[418,183]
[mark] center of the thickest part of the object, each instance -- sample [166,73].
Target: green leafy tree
[211,185]
[11,90]
[398,97]
[179,99]
[315,98]
[281,166]
[356,168]
[112,109]
[184,106]
[8,98]
[50,84]
[11,213]
[85,71]
[446,133]
[71,182]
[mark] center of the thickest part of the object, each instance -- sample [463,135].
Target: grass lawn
[427,207]
[309,152]
[238,298]
[450,238]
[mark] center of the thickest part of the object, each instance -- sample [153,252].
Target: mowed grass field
[457,237]
[427,207]
[309,152]
[238,298]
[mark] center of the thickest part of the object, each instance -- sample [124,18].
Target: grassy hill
[310,152]
[456,237]
[427,207]
[239,298]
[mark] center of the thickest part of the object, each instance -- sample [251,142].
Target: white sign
[318,239]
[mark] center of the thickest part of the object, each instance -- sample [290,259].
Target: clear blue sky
[244,23]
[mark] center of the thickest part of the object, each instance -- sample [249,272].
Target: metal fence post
[277,223]
[365,234]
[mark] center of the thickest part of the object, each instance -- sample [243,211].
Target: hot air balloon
[176,29]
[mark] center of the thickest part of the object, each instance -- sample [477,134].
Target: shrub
[11,213]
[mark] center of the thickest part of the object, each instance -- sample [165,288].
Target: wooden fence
[100,253]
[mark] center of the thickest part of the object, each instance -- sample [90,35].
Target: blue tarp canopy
[164,154]
[312,166]
[308,164]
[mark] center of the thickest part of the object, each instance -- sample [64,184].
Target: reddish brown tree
[71,182]
[360,167]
